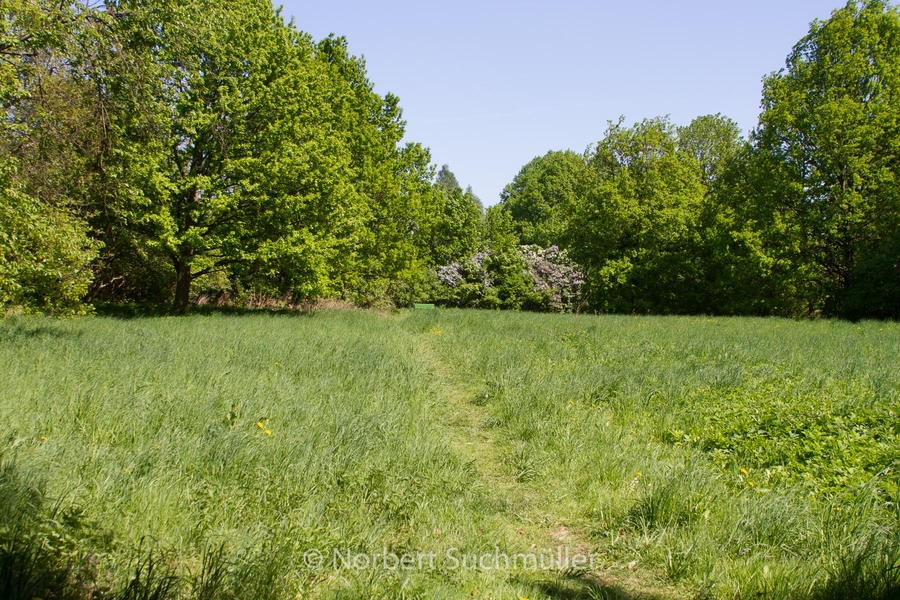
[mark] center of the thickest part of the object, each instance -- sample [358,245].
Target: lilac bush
[478,271]
[527,277]
[556,277]
[449,275]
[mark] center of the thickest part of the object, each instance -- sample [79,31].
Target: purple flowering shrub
[450,275]
[557,278]
[529,277]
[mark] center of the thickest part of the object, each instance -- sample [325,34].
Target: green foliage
[235,170]
[449,223]
[540,197]
[45,254]
[827,183]
[27,28]
[634,227]
[45,251]
[213,145]
[800,221]
[714,141]
[446,181]
[211,148]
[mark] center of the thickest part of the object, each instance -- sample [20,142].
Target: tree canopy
[828,155]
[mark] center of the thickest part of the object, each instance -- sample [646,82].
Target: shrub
[45,253]
[528,277]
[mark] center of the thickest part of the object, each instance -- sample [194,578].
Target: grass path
[532,520]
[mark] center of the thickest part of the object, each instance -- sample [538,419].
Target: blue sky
[489,85]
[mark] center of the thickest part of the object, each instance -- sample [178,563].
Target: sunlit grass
[245,439]
[731,456]
[204,456]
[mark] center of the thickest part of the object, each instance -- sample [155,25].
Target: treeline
[803,218]
[164,151]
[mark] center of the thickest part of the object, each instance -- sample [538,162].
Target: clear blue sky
[489,85]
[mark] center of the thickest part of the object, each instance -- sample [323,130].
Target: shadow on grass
[576,586]
[45,549]
[870,572]
[152,311]
[18,329]
[49,551]
[30,565]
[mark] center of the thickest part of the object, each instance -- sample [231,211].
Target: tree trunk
[183,280]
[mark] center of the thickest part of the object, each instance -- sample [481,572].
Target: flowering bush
[449,275]
[526,277]
[470,283]
[556,277]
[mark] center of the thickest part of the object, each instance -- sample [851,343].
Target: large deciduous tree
[231,165]
[828,159]
[540,196]
[634,227]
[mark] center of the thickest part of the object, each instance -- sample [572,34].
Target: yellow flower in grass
[259,424]
[268,432]
[43,439]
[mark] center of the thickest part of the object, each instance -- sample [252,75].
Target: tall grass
[205,456]
[202,457]
[732,457]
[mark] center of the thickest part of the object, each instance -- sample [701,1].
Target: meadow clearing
[292,456]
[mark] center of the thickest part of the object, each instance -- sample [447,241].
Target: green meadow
[446,454]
